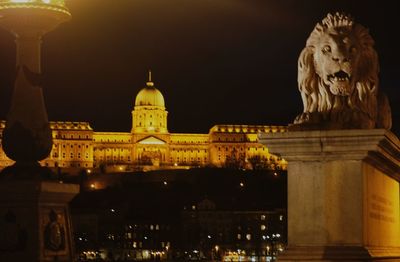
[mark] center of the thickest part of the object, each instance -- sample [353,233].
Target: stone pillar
[35,222]
[343,194]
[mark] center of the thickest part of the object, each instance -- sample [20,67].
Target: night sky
[215,61]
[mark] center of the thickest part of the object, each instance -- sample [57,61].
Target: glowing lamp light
[51,5]
[53,2]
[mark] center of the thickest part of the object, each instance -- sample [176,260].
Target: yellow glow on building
[149,145]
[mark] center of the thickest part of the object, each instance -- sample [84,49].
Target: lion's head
[338,76]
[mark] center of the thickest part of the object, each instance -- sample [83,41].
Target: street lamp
[216,252]
[27,136]
[40,206]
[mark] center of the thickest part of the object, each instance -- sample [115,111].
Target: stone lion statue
[338,78]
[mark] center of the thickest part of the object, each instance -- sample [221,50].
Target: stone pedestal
[35,224]
[343,194]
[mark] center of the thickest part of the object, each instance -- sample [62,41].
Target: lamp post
[27,136]
[37,210]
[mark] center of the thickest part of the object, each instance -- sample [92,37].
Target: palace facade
[149,145]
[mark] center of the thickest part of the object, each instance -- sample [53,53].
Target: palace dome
[150,96]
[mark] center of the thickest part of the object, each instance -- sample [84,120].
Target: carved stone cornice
[379,147]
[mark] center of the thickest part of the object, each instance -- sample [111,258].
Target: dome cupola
[150,96]
[149,114]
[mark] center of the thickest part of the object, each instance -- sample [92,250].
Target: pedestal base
[35,224]
[339,253]
[343,194]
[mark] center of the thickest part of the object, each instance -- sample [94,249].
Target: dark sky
[215,61]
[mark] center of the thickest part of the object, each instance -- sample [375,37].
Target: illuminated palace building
[149,145]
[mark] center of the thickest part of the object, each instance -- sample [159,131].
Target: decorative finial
[150,83]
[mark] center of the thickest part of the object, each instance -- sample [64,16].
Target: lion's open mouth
[339,76]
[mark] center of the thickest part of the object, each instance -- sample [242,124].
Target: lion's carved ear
[307,77]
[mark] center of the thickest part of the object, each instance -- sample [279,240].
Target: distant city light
[241,184]
[93,186]
[275,174]
[165,183]
[209,237]
[112,210]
